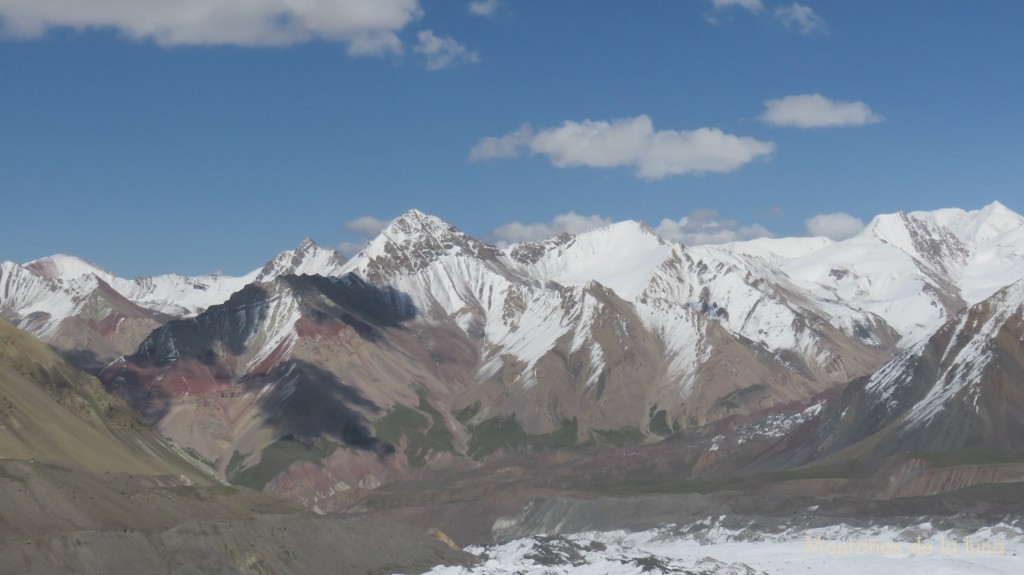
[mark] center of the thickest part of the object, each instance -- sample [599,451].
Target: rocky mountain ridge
[319,377]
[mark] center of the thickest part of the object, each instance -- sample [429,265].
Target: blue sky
[152,138]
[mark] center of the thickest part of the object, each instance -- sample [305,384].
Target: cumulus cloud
[752,5]
[442,52]
[803,17]
[837,225]
[349,249]
[629,142]
[368,27]
[817,111]
[704,227]
[484,7]
[498,147]
[366,227]
[571,222]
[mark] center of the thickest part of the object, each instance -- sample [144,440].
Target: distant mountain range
[321,378]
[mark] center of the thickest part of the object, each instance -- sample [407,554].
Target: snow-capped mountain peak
[622,256]
[308,258]
[414,240]
[922,238]
[976,226]
[415,223]
[65,267]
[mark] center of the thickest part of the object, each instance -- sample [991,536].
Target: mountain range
[322,378]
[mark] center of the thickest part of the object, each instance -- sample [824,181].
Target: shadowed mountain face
[223,331]
[961,389]
[89,488]
[306,402]
[93,316]
[296,377]
[946,414]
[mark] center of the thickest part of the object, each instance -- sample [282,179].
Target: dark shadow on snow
[307,402]
[230,325]
[363,306]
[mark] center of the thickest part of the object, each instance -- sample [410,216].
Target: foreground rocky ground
[56,520]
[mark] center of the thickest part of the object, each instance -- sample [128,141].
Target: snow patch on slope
[622,257]
[709,547]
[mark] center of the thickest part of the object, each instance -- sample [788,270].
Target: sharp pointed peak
[308,243]
[415,216]
[414,213]
[415,223]
[308,258]
[997,207]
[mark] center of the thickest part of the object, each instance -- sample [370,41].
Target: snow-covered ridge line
[821,307]
[67,278]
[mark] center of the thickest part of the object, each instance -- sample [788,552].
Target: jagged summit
[416,222]
[307,258]
[414,240]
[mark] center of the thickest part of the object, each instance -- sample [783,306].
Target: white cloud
[368,27]
[629,142]
[803,17]
[484,7]
[368,226]
[442,52]
[571,222]
[837,225]
[498,147]
[817,111]
[704,227]
[349,249]
[752,5]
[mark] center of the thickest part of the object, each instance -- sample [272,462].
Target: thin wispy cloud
[837,225]
[802,17]
[704,227]
[700,227]
[510,145]
[752,5]
[366,228]
[367,27]
[484,7]
[628,142]
[571,222]
[442,52]
[817,111]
